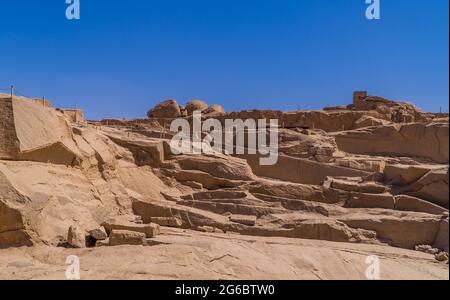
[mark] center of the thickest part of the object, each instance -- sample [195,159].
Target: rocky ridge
[371,173]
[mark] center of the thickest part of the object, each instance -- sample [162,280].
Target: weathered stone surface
[369,121]
[218,166]
[167,221]
[12,226]
[399,174]
[243,219]
[409,203]
[414,140]
[299,170]
[191,217]
[125,237]
[433,187]
[35,132]
[405,232]
[441,241]
[361,200]
[358,186]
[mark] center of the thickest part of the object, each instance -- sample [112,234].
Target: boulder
[165,109]
[119,223]
[427,249]
[125,237]
[98,233]
[195,105]
[216,108]
[76,237]
[442,256]
[102,243]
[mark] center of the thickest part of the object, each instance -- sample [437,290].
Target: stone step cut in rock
[126,237]
[243,219]
[150,230]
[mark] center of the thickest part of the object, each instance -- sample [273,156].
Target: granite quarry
[368,178]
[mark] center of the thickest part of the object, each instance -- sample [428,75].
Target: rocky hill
[370,178]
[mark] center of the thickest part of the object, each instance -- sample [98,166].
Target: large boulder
[165,109]
[76,237]
[216,108]
[194,105]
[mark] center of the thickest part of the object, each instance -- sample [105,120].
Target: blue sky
[122,57]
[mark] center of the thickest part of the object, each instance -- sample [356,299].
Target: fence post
[11,91]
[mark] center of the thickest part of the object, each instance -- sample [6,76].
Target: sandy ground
[185,254]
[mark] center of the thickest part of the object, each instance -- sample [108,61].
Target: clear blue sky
[122,57]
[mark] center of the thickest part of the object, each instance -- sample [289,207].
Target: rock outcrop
[165,109]
[371,174]
[196,105]
[429,141]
